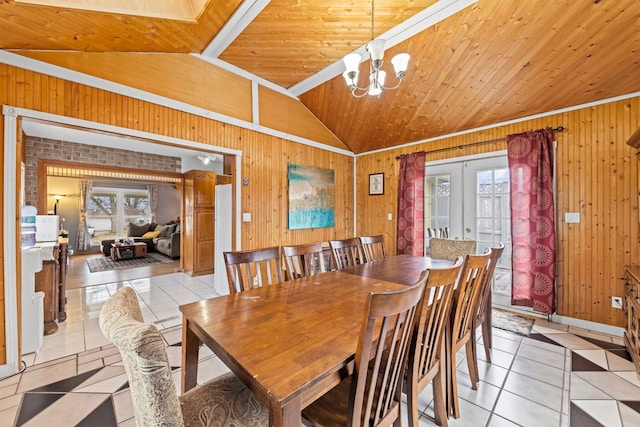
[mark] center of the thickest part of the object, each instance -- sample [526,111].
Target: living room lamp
[55,206]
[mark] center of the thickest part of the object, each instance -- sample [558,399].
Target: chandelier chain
[372,22]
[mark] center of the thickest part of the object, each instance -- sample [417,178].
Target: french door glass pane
[437,202]
[493,223]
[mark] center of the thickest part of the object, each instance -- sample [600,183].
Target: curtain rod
[558,129]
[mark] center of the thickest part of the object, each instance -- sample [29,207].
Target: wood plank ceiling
[494,61]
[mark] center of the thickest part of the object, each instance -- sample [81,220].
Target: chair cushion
[223,398]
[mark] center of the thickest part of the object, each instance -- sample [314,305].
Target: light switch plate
[390,216]
[572,217]
[246,216]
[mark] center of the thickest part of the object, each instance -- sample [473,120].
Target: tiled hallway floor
[557,376]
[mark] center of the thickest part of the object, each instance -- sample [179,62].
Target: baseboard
[586,324]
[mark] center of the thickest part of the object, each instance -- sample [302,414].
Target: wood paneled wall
[225,93]
[597,176]
[264,160]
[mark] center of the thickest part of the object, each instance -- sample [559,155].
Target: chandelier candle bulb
[400,64]
[352,62]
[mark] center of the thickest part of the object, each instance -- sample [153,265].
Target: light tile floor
[557,376]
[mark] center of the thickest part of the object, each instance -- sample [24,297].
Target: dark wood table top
[290,340]
[403,269]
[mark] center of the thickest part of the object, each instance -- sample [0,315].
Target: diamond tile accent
[552,377]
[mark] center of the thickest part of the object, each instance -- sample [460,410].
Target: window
[437,197]
[111,209]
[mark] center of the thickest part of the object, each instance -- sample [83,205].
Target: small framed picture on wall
[376,184]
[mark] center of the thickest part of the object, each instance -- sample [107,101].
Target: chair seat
[223,401]
[331,409]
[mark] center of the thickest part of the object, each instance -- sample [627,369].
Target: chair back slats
[381,355]
[253,268]
[485,293]
[467,294]
[442,233]
[435,317]
[427,355]
[373,247]
[304,260]
[464,312]
[483,317]
[347,252]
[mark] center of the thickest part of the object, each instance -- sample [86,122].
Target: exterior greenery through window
[111,209]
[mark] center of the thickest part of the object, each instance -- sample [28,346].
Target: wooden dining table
[293,341]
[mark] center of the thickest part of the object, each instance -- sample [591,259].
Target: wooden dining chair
[451,248]
[253,268]
[222,401]
[372,395]
[373,247]
[347,252]
[427,355]
[303,260]
[464,311]
[483,319]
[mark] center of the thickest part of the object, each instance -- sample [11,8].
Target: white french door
[471,197]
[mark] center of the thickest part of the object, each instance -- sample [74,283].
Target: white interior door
[478,208]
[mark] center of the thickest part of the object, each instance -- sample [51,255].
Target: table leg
[289,415]
[190,346]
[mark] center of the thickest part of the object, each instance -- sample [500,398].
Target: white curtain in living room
[84,194]
[153,200]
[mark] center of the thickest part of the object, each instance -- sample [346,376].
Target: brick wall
[43,148]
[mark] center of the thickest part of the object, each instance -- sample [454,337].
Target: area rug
[512,322]
[104,263]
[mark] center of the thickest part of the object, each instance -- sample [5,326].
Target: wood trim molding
[44,164]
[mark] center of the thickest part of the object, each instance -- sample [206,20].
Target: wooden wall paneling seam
[613,218]
[590,229]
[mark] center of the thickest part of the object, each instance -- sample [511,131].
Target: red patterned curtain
[411,205]
[532,220]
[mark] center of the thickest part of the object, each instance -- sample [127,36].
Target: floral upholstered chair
[221,402]
[452,248]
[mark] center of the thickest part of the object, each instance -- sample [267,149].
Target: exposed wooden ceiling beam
[241,18]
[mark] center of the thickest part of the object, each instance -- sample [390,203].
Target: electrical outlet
[616,302]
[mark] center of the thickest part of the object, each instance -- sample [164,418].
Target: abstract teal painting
[311,197]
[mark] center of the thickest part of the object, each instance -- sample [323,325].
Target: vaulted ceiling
[473,63]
